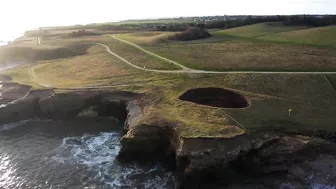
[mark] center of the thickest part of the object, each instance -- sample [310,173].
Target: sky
[19,15]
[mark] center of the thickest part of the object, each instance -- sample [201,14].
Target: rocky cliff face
[210,163]
[199,162]
[203,161]
[144,141]
[66,106]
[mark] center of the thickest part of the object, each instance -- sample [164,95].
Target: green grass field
[138,57]
[84,67]
[324,36]
[248,55]
[271,95]
[33,52]
[248,48]
[258,30]
[275,32]
[332,80]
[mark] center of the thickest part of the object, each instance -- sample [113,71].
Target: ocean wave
[98,153]
[10,126]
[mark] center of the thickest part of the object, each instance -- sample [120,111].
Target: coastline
[11,36]
[198,148]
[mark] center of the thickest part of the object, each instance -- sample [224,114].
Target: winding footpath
[190,70]
[152,54]
[183,69]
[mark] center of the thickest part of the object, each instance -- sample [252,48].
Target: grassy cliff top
[310,97]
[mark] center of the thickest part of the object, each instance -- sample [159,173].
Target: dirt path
[152,54]
[183,70]
[328,81]
[190,70]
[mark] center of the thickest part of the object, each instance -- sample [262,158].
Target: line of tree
[191,33]
[208,22]
[174,27]
[236,21]
[309,20]
[306,20]
[80,33]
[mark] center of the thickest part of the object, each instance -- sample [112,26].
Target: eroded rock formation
[199,162]
[65,106]
[210,163]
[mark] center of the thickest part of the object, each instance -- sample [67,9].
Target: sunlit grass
[240,54]
[21,75]
[278,33]
[271,95]
[138,57]
[314,36]
[248,55]
[88,68]
[260,29]
[33,52]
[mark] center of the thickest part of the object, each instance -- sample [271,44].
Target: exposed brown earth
[215,97]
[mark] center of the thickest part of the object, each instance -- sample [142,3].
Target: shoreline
[14,35]
[205,146]
[190,158]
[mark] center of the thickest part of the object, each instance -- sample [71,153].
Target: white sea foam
[322,186]
[98,154]
[9,126]
[313,185]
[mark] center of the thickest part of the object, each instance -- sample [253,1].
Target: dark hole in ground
[216,97]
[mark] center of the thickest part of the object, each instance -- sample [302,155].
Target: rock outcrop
[20,110]
[143,141]
[66,106]
[199,162]
[203,162]
[10,92]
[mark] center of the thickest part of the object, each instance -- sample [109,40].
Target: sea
[77,154]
